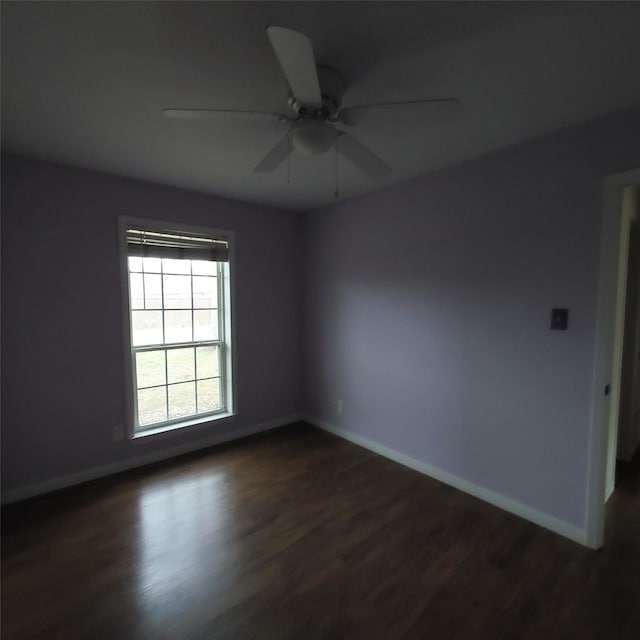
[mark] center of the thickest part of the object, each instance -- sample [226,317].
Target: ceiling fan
[315,109]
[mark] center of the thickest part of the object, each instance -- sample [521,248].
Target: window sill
[178,426]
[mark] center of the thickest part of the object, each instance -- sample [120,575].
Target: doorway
[629,411]
[615,367]
[619,428]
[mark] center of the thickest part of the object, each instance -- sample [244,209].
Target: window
[179,329]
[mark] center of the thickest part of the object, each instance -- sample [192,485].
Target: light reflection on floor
[181,526]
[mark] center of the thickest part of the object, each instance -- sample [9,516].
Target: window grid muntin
[221,388]
[161,273]
[219,342]
[170,384]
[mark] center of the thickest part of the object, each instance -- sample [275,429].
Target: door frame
[614,252]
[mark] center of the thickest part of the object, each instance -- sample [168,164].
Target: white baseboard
[507,504]
[94,473]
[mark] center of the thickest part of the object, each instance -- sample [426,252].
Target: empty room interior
[320,320]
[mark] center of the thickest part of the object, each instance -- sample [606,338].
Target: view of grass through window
[176,342]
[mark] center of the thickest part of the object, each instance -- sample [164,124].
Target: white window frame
[226,330]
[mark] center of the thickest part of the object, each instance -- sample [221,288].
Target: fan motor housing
[332,88]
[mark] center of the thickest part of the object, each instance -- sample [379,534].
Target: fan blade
[433,112]
[210,114]
[361,156]
[295,55]
[275,157]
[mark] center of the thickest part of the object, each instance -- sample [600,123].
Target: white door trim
[614,250]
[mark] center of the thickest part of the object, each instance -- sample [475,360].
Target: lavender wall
[62,353]
[428,307]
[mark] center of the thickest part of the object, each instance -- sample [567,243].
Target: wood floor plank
[297,534]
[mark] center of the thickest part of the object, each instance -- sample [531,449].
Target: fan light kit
[313,137]
[318,116]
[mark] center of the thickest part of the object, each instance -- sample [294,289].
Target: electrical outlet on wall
[339,406]
[117,432]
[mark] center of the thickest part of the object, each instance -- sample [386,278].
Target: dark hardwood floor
[297,534]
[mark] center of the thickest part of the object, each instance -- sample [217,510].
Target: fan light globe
[313,137]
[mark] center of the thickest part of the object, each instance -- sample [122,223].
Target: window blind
[154,244]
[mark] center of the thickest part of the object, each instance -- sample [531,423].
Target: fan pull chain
[336,194]
[288,159]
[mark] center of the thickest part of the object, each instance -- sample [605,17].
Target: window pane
[177,292]
[177,326]
[150,368]
[152,291]
[135,264]
[206,327]
[176,266]
[146,327]
[205,292]
[204,268]
[208,361]
[152,405]
[180,365]
[182,399]
[209,395]
[151,265]
[136,291]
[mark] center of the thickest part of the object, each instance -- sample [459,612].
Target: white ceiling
[84,83]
